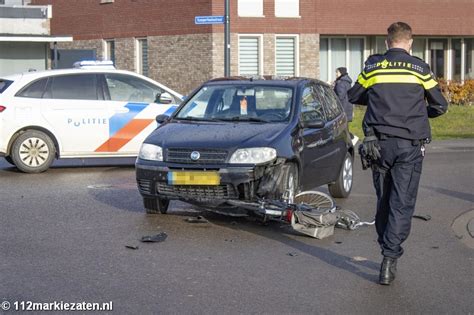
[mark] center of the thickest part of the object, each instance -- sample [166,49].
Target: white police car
[90,111]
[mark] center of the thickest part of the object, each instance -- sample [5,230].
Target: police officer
[401,94]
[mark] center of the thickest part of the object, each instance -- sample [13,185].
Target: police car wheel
[33,152]
[155,205]
[343,185]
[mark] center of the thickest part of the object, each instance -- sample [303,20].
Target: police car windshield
[239,103]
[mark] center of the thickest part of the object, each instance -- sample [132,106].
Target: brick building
[159,38]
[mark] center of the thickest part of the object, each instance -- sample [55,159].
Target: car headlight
[253,156]
[150,152]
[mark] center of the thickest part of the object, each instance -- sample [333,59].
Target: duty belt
[415,142]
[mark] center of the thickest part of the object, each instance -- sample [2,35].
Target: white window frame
[260,50]
[297,51]
[251,14]
[106,50]
[138,55]
[447,51]
[463,56]
[298,15]
[426,52]
[330,72]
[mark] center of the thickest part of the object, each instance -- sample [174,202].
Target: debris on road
[292,254]
[160,237]
[198,219]
[424,217]
[134,247]
[359,258]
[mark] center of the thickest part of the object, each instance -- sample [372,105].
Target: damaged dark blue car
[247,139]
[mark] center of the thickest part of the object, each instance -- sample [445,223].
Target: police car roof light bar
[94,64]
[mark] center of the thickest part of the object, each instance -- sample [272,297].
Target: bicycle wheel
[316,200]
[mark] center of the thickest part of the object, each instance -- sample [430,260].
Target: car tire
[290,182]
[343,185]
[156,205]
[33,152]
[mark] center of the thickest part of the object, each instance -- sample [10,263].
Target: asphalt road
[63,236]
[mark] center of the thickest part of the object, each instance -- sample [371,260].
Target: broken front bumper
[235,182]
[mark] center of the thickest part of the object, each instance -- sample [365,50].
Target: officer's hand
[371,147]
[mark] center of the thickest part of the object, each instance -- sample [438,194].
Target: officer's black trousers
[396,177]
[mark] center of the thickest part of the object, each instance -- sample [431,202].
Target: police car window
[311,107]
[75,87]
[34,89]
[4,84]
[125,88]
[331,103]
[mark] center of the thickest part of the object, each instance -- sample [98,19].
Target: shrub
[458,93]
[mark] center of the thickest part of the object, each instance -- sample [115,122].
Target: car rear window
[4,84]
[34,89]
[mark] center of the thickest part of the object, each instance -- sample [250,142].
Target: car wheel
[289,184]
[343,185]
[33,152]
[156,205]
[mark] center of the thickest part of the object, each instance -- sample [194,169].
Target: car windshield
[254,103]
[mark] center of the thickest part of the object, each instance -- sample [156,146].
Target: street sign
[217,19]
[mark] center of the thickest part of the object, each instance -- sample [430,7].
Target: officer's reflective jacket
[400,93]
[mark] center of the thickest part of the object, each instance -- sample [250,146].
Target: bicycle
[311,212]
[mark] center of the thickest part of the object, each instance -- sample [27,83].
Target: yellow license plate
[194,178]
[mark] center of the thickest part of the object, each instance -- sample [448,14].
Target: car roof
[43,73]
[33,75]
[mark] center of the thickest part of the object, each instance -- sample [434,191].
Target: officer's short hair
[398,31]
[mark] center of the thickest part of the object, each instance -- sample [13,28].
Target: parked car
[92,110]
[244,139]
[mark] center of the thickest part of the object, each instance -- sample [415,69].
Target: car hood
[222,135]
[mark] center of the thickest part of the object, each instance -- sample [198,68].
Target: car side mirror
[162,118]
[165,98]
[314,124]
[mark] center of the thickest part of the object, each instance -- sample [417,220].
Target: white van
[90,111]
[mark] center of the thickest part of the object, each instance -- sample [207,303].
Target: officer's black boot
[388,270]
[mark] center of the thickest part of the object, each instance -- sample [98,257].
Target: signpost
[227,39]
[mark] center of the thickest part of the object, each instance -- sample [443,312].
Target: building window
[286,56]
[250,8]
[468,58]
[142,56]
[438,56]
[456,45]
[340,52]
[109,53]
[338,55]
[250,55]
[356,57]
[380,47]
[418,48]
[287,8]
